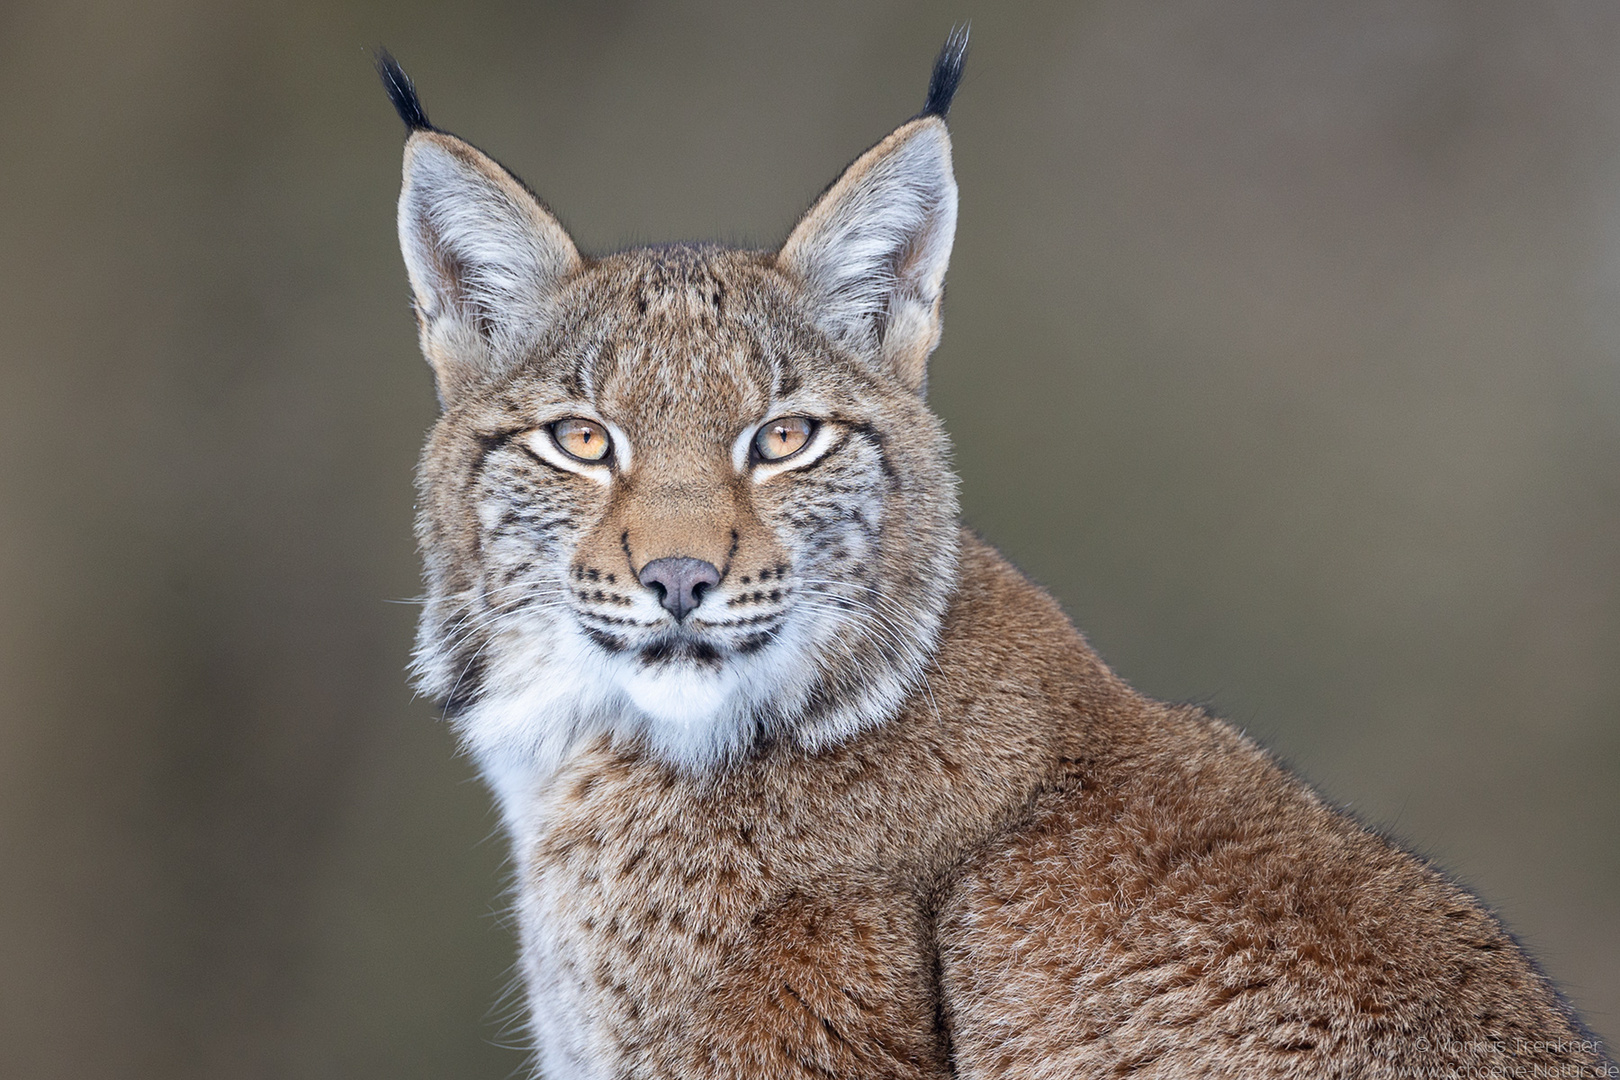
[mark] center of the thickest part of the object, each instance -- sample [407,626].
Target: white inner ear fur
[874,248]
[484,257]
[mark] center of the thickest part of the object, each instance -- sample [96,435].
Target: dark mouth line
[711,655]
[623,620]
[597,625]
[678,650]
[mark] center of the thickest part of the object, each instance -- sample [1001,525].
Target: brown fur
[959,845]
[1050,876]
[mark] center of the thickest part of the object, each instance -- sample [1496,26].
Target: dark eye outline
[757,456]
[607,440]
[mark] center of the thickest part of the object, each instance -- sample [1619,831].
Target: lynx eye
[582,440]
[783,437]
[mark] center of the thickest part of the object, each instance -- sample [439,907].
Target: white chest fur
[556,961]
[615,941]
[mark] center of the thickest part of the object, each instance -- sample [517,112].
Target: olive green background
[1282,343]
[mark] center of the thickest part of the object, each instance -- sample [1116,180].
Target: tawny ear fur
[872,251]
[484,257]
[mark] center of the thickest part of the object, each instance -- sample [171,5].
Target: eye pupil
[581,439]
[783,438]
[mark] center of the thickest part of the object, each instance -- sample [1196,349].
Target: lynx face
[687,495]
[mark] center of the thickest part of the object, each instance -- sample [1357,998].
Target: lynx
[802,779]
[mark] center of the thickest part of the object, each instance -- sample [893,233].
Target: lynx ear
[872,251]
[484,256]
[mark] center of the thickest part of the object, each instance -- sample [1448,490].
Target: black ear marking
[947,73]
[402,92]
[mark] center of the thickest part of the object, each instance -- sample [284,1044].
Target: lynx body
[800,778]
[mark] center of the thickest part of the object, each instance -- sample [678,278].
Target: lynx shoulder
[801,779]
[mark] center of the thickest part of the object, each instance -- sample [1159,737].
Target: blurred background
[1282,343]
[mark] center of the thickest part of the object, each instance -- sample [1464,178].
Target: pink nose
[681,583]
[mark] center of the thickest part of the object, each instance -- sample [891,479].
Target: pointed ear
[485,258]
[872,250]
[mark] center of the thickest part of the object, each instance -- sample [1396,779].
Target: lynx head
[685,495]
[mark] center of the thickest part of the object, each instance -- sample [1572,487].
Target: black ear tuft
[947,73]
[402,92]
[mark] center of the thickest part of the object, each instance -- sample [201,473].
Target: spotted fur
[871,808]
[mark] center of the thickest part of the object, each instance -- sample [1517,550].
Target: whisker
[869,620]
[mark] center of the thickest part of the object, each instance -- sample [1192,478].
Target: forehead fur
[707,334]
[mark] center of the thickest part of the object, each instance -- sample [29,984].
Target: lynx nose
[681,583]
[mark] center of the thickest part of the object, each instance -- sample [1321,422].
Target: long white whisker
[490,619]
[868,593]
[869,620]
[496,605]
[868,623]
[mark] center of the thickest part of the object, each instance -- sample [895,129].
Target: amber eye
[581,439]
[783,437]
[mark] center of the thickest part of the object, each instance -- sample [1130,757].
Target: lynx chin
[803,780]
